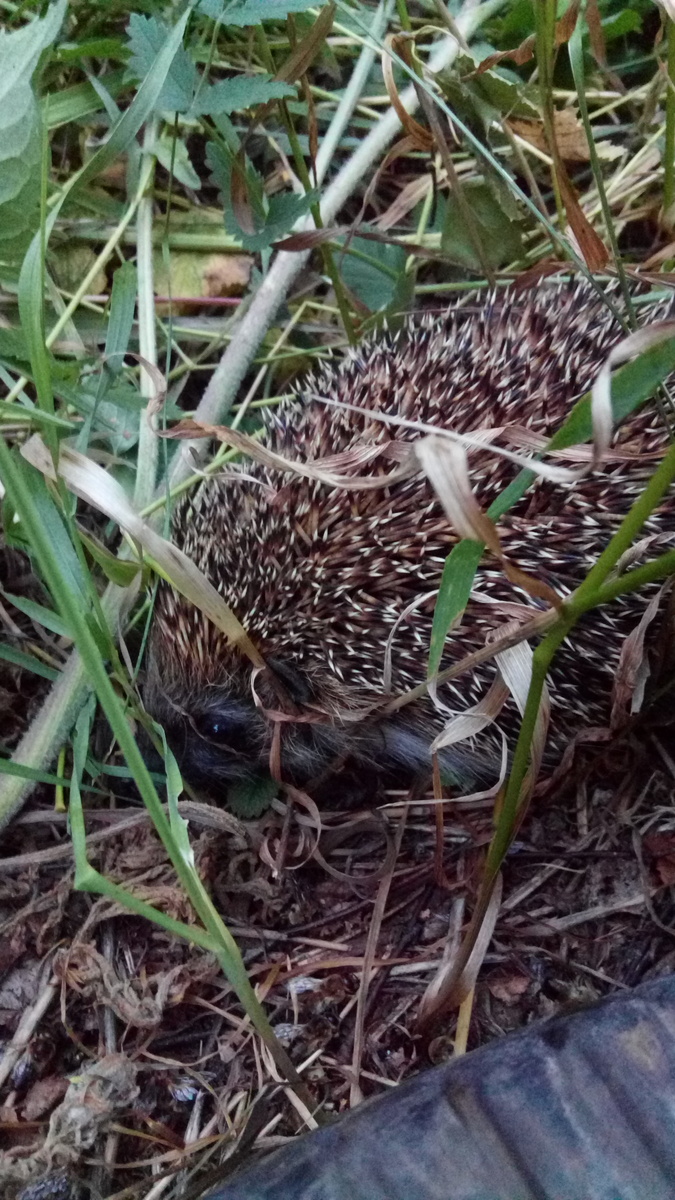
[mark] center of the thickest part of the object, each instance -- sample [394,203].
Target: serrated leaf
[252,12]
[269,218]
[249,798]
[244,91]
[147,36]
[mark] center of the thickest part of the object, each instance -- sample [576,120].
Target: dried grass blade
[97,487]
[438,998]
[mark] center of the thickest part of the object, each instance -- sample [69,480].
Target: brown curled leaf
[445,464]
[309,238]
[570,135]
[337,470]
[307,49]
[241,205]
[591,245]
[155,403]
[422,138]
[523,53]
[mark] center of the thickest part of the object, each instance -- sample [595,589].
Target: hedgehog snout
[219,736]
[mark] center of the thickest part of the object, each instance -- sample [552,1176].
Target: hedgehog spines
[320,576]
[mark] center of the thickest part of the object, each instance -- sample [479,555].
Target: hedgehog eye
[223,731]
[215,731]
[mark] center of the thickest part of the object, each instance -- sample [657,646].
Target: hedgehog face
[216,735]
[219,737]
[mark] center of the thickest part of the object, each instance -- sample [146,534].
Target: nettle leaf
[244,91]
[20,130]
[267,218]
[252,12]
[147,36]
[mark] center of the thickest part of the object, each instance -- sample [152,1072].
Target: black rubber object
[581,1107]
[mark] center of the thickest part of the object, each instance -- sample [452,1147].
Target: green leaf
[174,788]
[124,132]
[253,12]
[373,272]
[37,612]
[272,217]
[121,317]
[147,37]
[453,596]
[9,767]
[20,130]
[244,91]
[74,103]
[250,798]
[479,100]
[117,570]
[20,51]
[13,344]
[53,526]
[28,662]
[22,412]
[30,279]
[500,236]
[173,155]
[81,742]
[626,21]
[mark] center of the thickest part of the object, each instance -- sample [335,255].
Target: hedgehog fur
[320,576]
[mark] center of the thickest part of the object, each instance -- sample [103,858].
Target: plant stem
[590,594]
[146,469]
[669,146]
[545,14]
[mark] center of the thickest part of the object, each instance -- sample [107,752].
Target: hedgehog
[330,582]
